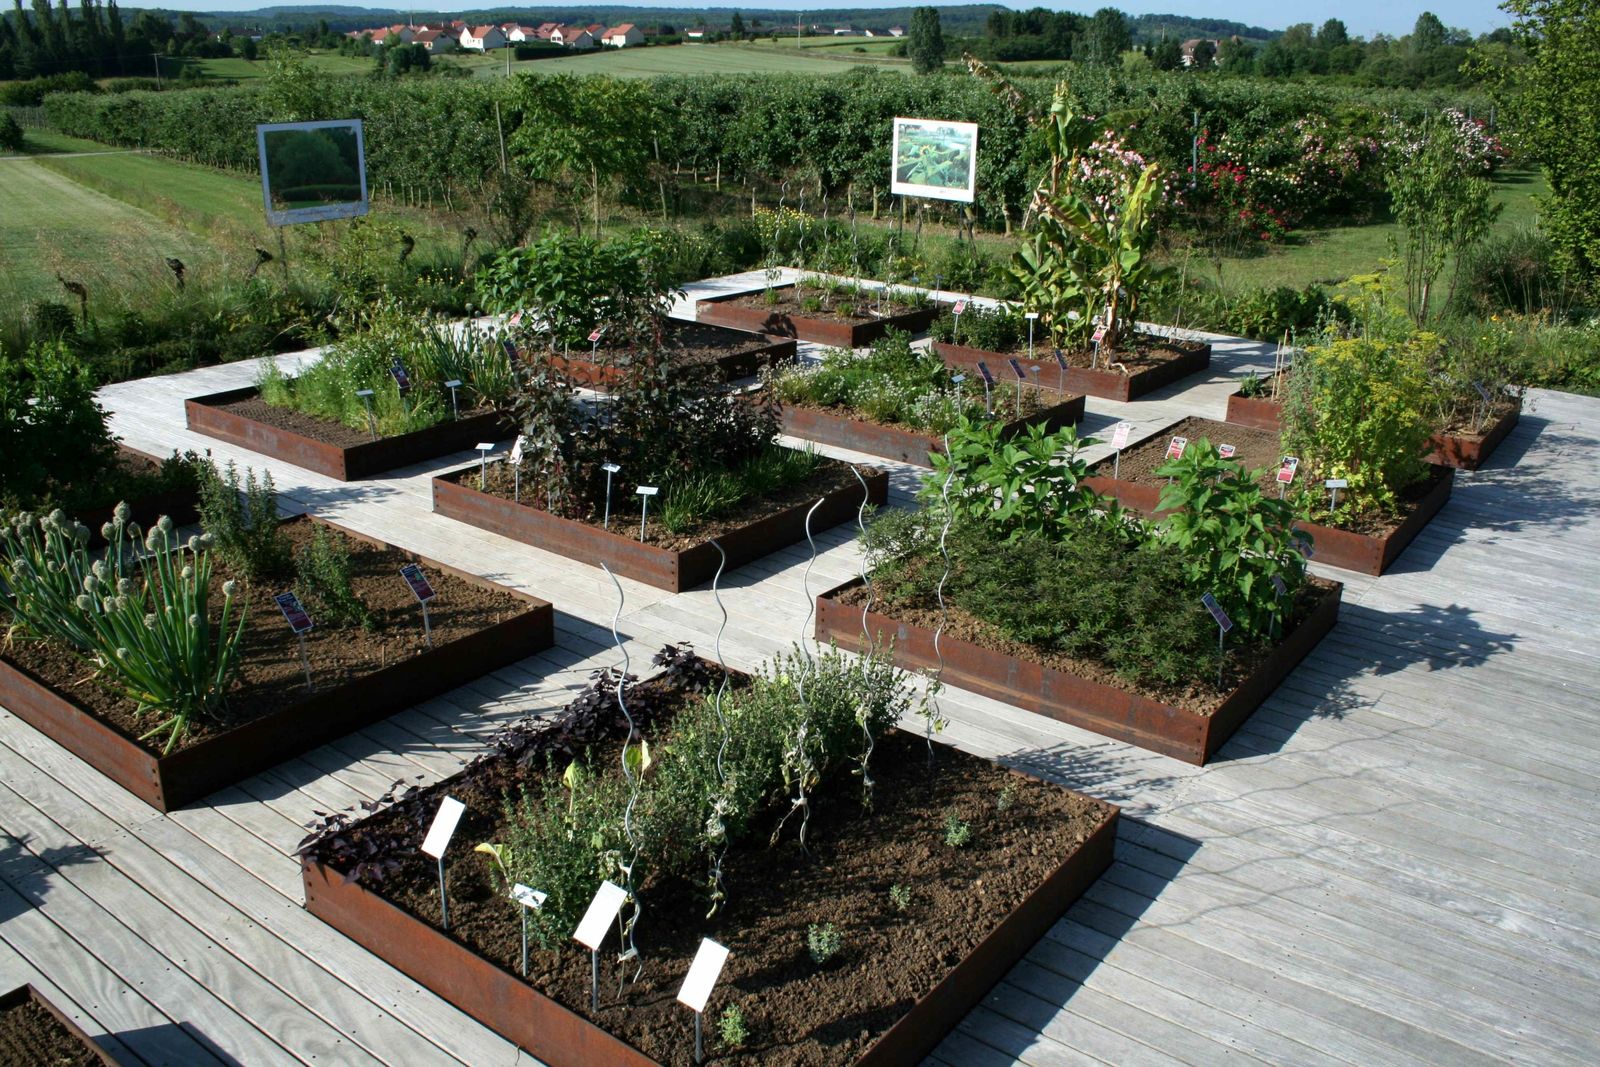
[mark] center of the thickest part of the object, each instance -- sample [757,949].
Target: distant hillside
[1154,27]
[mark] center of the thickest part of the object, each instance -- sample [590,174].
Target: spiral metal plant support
[801,758]
[944,613]
[866,635]
[631,948]
[717,827]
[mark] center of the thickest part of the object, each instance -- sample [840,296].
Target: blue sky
[1362,17]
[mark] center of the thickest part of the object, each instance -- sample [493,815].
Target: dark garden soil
[1256,449]
[1202,696]
[829,476]
[1142,352]
[797,1012]
[31,1037]
[127,476]
[784,301]
[1005,406]
[315,427]
[688,344]
[271,677]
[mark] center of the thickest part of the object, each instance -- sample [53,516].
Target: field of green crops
[757,58]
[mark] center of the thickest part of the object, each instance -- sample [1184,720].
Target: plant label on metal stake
[300,624]
[988,387]
[397,370]
[1119,441]
[484,448]
[372,419]
[509,349]
[610,469]
[1176,447]
[1061,371]
[1286,470]
[1278,590]
[697,984]
[529,899]
[957,311]
[1099,336]
[1224,624]
[1032,317]
[1333,485]
[645,493]
[591,932]
[453,384]
[594,342]
[1016,368]
[423,591]
[438,839]
[516,468]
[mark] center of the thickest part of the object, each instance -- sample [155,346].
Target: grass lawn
[246,69]
[53,224]
[761,58]
[36,142]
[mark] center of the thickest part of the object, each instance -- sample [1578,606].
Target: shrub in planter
[53,432]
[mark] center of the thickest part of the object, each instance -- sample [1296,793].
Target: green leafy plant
[242,518]
[957,831]
[1234,535]
[53,433]
[1027,483]
[44,568]
[823,942]
[323,580]
[1008,796]
[900,898]
[731,1027]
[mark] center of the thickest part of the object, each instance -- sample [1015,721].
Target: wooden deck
[1393,862]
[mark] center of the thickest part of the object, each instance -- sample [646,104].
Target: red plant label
[1226,451]
[418,582]
[1286,472]
[1176,447]
[1119,436]
[961,306]
[293,612]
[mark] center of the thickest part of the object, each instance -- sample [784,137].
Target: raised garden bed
[735,353]
[477,627]
[182,506]
[902,981]
[33,1033]
[666,562]
[1369,550]
[830,426]
[330,448]
[786,318]
[1155,362]
[1464,451]
[1170,728]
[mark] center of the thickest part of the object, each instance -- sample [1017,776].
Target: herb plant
[900,898]
[731,1027]
[823,942]
[957,831]
[323,580]
[242,518]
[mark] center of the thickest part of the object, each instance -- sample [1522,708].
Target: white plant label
[528,897]
[1031,315]
[648,490]
[443,828]
[1336,483]
[516,450]
[484,446]
[1120,434]
[608,900]
[1226,451]
[703,974]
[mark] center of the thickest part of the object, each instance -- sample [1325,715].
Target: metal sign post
[1224,624]
[1333,485]
[420,588]
[591,932]
[1119,440]
[372,419]
[697,985]
[484,448]
[455,411]
[610,469]
[988,387]
[645,493]
[438,839]
[530,899]
[300,623]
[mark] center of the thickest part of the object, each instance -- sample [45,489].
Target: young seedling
[1008,796]
[731,1027]
[900,898]
[823,942]
[957,831]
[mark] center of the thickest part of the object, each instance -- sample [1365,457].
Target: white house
[695,35]
[622,36]
[897,31]
[482,38]
[516,34]
[572,37]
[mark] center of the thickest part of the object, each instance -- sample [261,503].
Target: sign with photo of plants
[312,171]
[935,159]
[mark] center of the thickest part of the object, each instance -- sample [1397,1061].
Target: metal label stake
[420,588]
[1224,624]
[530,899]
[988,387]
[1333,485]
[1061,372]
[697,984]
[610,469]
[299,624]
[484,448]
[453,384]
[1119,441]
[645,493]
[372,419]
[438,839]
[591,932]
[1016,368]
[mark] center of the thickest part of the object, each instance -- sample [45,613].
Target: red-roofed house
[517,34]
[435,41]
[572,37]
[545,29]
[622,36]
[482,38]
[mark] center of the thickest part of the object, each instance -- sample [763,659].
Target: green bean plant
[1235,535]
[1029,483]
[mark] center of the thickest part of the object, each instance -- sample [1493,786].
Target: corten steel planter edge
[601,376]
[545,1028]
[1331,547]
[24,993]
[671,569]
[493,996]
[937,1012]
[1107,384]
[1470,453]
[720,311]
[345,463]
[907,446]
[1094,706]
[1258,413]
[167,783]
